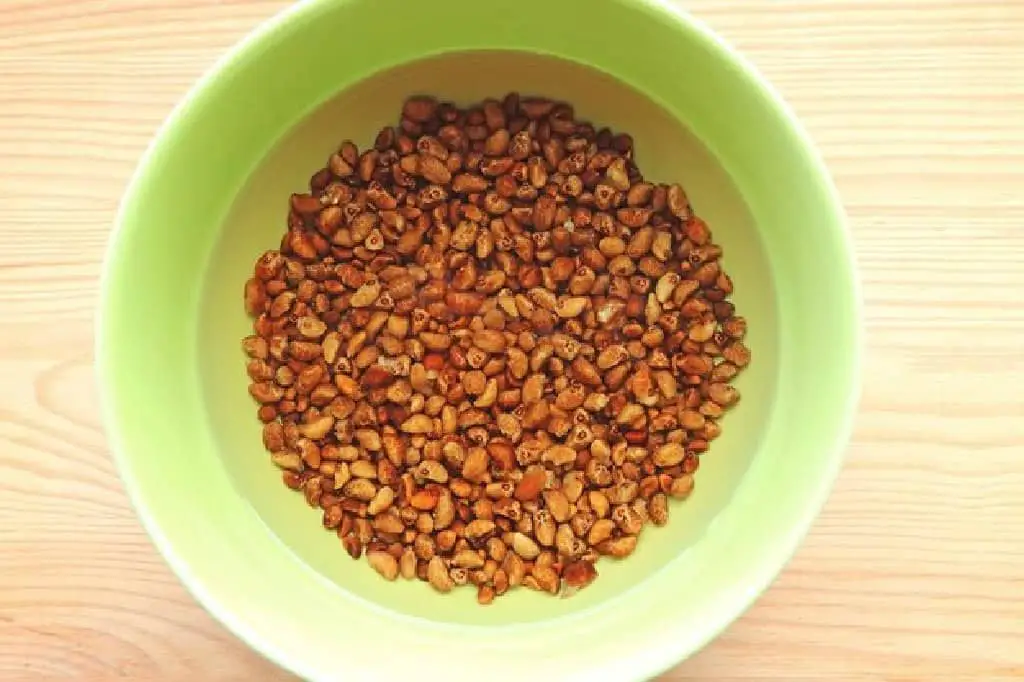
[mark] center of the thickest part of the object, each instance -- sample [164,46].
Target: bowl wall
[210,195]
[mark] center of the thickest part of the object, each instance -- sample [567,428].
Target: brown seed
[533,388]
[600,531]
[658,509]
[514,568]
[464,302]
[490,340]
[310,327]
[502,454]
[438,576]
[419,109]
[434,169]
[383,563]
[287,460]
[360,489]
[723,394]
[669,455]
[531,485]
[418,423]
[571,306]
[431,470]
[558,455]
[476,465]
[599,503]
[468,559]
[681,487]
[618,548]
[558,504]
[691,420]
[525,546]
[425,499]
[611,356]
[547,579]
[678,203]
[479,529]
[579,574]
[381,501]
[318,428]
[544,528]
[485,594]
[407,564]
[444,510]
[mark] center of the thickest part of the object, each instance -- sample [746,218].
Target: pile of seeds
[488,349]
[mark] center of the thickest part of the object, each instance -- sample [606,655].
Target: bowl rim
[656,661]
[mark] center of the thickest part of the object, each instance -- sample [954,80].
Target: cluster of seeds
[488,349]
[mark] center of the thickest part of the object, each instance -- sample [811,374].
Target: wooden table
[915,570]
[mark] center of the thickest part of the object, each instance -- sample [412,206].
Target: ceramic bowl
[211,195]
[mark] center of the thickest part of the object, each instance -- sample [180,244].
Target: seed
[547,579]
[468,559]
[318,428]
[622,266]
[444,511]
[682,486]
[658,509]
[531,485]
[438,576]
[476,465]
[691,420]
[479,528]
[514,568]
[723,394]
[502,454]
[618,548]
[629,413]
[361,489]
[430,470]
[310,327]
[611,356]
[383,563]
[678,202]
[558,504]
[407,564]
[559,455]
[612,246]
[425,499]
[365,295]
[578,575]
[388,522]
[485,594]
[600,531]
[599,503]
[524,546]
[287,460]
[571,306]
[418,423]
[627,519]
[544,528]
[381,501]
[489,395]
[669,455]
[490,340]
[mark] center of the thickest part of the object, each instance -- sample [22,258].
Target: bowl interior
[666,151]
[210,196]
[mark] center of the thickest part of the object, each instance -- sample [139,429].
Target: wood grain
[915,570]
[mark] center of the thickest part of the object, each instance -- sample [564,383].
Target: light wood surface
[915,570]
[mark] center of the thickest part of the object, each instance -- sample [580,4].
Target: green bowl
[211,195]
